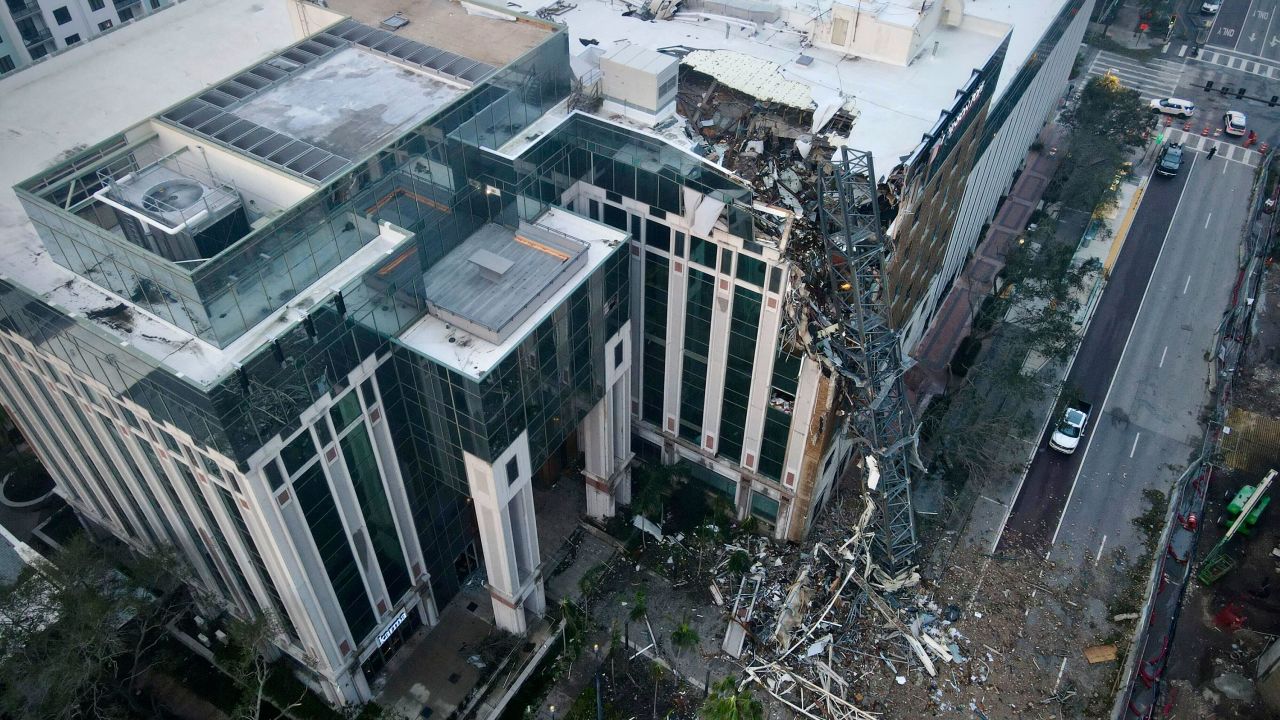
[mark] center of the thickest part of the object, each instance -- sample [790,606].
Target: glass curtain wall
[744,324]
[697,338]
[653,361]
[777,417]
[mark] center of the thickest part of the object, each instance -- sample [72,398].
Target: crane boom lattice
[866,348]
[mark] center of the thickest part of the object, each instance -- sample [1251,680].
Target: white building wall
[302,575]
[994,171]
[42,389]
[11,45]
[742,469]
[761,377]
[84,21]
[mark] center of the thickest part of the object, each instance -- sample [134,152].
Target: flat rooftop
[184,49]
[491,34]
[350,102]
[318,107]
[534,292]
[498,275]
[893,105]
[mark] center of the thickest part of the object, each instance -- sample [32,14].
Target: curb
[1122,231]
[1117,242]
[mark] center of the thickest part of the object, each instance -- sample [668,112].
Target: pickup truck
[1066,436]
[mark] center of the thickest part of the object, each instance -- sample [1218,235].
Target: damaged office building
[946,97]
[332,311]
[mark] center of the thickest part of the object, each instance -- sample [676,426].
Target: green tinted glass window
[297,453]
[367,481]
[345,411]
[702,252]
[272,471]
[764,507]
[751,270]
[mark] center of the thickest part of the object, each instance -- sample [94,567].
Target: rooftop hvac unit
[175,216]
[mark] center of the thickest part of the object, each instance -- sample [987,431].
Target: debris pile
[820,621]
[779,149]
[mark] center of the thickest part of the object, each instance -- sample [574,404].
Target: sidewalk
[1100,240]
[928,377]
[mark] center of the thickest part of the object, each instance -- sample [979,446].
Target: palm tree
[640,605]
[727,702]
[684,636]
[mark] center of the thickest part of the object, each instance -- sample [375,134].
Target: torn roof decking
[894,106]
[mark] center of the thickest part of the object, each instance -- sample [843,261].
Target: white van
[1174,106]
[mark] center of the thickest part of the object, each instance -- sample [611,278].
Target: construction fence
[1143,692]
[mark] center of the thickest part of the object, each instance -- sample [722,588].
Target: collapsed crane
[865,348]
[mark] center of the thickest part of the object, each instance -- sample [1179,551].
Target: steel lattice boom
[867,346]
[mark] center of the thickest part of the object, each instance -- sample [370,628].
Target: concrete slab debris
[1100,653]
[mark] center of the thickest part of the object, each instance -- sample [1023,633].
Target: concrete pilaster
[606,433]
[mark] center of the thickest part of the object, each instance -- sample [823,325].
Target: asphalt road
[1249,27]
[1150,424]
[1048,482]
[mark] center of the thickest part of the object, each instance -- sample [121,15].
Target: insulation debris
[754,76]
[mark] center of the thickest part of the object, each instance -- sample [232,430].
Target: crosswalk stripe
[1144,75]
[1199,143]
[1136,75]
[1235,62]
[1123,62]
[1151,79]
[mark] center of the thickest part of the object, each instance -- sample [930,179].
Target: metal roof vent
[492,266]
[395,22]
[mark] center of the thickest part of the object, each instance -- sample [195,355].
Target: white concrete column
[606,433]
[503,499]
[677,309]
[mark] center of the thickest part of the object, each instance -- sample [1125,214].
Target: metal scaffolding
[867,347]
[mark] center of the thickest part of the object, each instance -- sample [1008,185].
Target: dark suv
[1170,159]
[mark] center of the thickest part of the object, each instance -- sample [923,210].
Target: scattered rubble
[821,630]
[118,316]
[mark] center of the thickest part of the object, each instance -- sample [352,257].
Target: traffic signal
[1208,85]
[1240,93]
[1274,99]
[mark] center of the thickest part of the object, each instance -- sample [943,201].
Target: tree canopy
[74,637]
[727,702]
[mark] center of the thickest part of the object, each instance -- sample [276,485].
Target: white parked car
[1174,106]
[1233,123]
[1210,8]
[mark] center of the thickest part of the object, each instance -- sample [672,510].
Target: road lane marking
[1207,219]
[1116,242]
[1186,285]
[1097,558]
[1116,373]
[1134,449]
[1162,354]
